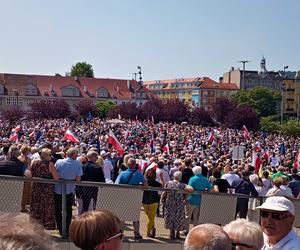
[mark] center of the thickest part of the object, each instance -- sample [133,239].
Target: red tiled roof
[204,82]
[117,88]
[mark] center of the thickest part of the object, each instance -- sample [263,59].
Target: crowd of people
[178,156]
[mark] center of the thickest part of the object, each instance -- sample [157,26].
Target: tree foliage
[126,111]
[13,114]
[222,107]
[174,111]
[199,116]
[54,109]
[84,107]
[291,128]
[269,124]
[82,69]
[242,115]
[105,107]
[263,100]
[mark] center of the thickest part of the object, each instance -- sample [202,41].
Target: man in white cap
[277,215]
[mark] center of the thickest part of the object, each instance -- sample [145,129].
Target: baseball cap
[278,203]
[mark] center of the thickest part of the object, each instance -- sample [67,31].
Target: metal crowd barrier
[126,202]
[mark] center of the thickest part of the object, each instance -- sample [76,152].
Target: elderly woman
[42,202]
[174,205]
[245,235]
[253,213]
[26,196]
[98,229]
[277,190]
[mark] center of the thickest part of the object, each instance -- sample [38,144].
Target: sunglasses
[120,235]
[274,215]
[235,244]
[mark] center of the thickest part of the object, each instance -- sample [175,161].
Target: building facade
[250,78]
[291,94]
[196,91]
[19,90]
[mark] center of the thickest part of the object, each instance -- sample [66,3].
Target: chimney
[118,89]
[50,87]
[85,89]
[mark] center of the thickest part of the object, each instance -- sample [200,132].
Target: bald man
[207,236]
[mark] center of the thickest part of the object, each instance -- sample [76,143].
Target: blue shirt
[68,169]
[135,180]
[199,183]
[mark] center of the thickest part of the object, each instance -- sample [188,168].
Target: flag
[256,161]
[296,161]
[16,129]
[31,135]
[112,139]
[166,148]
[211,137]
[90,117]
[14,137]
[152,119]
[282,148]
[257,147]
[70,137]
[152,145]
[245,132]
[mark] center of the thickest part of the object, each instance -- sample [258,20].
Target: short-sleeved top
[136,179]
[187,174]
[68,169]
[199,183]
[150,197]
[222,184]
[12,166]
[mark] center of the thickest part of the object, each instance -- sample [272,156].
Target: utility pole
[243,77]
[282,94]
[140,74]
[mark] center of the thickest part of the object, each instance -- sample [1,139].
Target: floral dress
[42,198]
[174,207]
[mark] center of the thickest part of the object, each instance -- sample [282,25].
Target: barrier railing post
[64,210]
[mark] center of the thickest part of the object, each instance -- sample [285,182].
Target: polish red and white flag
[166,148]
[14,137]
[296,161]
[112,139]
[70,137]
[245,132]
[31,135]
[211,137]
[16,129]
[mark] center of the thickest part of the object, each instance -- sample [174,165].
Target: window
[204,92]
[1,89]
[70,91]
[31,90]
[102,92]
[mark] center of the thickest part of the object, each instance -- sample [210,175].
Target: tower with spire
[263,68]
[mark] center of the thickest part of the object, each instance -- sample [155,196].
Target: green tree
[104,107]
[270,125]
[82,69]
[292,128]
[263,100]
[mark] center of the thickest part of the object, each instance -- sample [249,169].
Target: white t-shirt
[165,175]
[290,242]
[107,168]
[230,177]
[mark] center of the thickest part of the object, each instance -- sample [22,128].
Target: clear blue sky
[168,38]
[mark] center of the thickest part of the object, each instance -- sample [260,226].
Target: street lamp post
[282,93]
[243,77]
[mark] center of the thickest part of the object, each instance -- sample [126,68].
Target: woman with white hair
[174,205]
[253,213]
[245,234]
